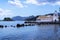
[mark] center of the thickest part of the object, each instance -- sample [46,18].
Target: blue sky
[10,8]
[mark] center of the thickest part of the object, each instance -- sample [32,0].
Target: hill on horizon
[18,18]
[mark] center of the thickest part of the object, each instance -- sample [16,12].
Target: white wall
[44,20]
[55,17]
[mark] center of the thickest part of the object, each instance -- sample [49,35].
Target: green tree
[59,18]
[32,18]
[7,19]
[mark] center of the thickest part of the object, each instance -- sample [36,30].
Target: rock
[1,26]
[12,26]
[19,25]
[5,25]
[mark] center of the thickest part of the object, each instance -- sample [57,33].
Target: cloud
[5,13]
[36,2]
[16,3]
[43,2]
[25,3]
[57,3]
[32,2]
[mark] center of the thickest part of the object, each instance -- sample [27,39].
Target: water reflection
[53,32]
[37,32]
[56,32]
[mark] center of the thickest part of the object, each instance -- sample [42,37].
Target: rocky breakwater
[24,24]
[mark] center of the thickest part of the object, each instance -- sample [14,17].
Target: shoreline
[30,23]
[43,22]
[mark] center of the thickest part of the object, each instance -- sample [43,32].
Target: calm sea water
[37,32]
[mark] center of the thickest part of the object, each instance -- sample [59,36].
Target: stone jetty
[43,22]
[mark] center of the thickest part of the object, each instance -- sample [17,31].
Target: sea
[36,32]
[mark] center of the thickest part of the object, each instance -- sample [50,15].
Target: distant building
[44,19]
[55,16]
[48,18]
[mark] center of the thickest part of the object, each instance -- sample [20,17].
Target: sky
[11,8]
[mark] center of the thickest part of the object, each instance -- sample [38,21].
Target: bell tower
[55,16]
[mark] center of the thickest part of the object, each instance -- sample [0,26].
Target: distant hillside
[31,18]
[52,14]
[19,18]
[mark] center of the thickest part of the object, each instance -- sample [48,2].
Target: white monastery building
[48,18]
